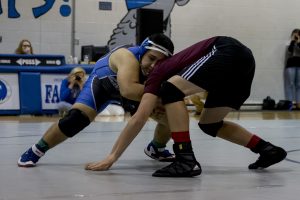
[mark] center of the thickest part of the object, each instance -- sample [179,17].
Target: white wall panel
[263,25]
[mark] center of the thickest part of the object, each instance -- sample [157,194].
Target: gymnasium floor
[60,175]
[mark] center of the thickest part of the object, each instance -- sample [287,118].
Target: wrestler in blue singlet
[102,88]
[99,90]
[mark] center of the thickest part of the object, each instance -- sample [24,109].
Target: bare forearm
[127,136]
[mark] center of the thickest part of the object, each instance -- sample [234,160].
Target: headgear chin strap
[148,44]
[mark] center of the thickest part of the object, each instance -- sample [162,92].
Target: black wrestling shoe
[185,165]
[270,155]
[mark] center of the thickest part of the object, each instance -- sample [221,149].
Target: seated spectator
[24,47]
[70,89]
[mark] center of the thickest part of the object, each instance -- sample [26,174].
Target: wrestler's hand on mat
[101,165]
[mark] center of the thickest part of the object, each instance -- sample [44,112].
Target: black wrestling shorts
[226,72]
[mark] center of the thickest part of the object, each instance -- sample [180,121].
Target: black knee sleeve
[170,93]
[211,129]
[73,122]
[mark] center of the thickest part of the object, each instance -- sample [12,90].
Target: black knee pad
[170,93]
[73,122]
[211,129]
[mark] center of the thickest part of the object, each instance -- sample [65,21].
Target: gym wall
[264,26]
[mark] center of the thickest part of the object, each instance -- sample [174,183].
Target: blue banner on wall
[46,5]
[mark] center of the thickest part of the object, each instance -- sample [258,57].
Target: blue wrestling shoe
[30,157]
[160,154]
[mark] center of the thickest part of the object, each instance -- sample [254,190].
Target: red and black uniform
[221,65]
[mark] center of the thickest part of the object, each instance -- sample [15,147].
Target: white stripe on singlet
[93,95]
[192,69]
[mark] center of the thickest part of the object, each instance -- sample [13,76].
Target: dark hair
[162,40]
[296,30]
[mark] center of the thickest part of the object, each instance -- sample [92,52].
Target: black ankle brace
[183,147]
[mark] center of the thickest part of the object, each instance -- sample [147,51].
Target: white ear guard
[148,44]
[159,48]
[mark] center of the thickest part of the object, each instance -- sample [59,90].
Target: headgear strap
[157,47]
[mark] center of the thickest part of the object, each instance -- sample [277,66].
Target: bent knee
[212,128]
[170,93]
[73,122]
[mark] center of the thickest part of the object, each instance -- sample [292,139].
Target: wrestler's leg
[156,148]
[77,119]
[81,114]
